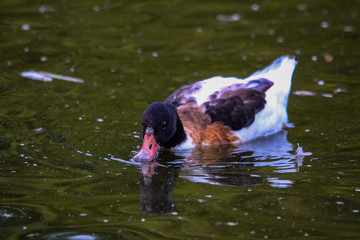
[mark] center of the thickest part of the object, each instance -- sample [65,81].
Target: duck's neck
[179,135]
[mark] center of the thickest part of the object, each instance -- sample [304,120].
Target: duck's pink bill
[148,149]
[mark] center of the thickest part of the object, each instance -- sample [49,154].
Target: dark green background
[59,141]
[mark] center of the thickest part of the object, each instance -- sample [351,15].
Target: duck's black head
[161,126]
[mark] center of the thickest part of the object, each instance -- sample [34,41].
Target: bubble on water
[280,40]
[324,24]
[155,54]
[96,8]
[43,59]
[255,7]
[301,7]
[271,32]
[26,27]
[100,120]
[42,9]
[314,58]
[348,28]
[229,18]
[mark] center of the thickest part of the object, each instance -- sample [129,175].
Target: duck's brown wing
[237,105]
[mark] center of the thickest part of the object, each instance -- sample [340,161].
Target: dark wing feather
[237,107]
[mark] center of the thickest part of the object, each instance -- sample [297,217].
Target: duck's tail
[280,73]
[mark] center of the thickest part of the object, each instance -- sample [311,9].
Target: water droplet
[100,120]
[155,54]
[314,58]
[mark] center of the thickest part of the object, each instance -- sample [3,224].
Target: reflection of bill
[157,185]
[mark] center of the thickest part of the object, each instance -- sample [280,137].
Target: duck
[219,111]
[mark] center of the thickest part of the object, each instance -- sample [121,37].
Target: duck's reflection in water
[224,165]
[157,183]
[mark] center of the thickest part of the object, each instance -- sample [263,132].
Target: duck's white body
[273,117]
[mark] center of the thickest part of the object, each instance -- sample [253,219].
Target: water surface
[65,147]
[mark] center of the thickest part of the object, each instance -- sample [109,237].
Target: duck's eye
[163,125]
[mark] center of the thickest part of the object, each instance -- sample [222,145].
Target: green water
[65,148]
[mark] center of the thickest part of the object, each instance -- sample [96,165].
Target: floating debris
[339,90]
[304,93]
[327,95]
[300,152]
[321,82]
[328,57]
[36,76]
[48,77]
